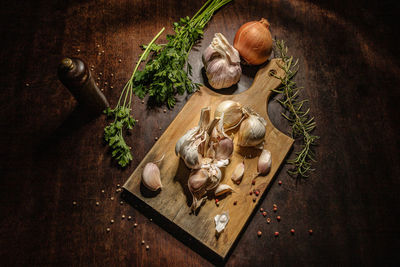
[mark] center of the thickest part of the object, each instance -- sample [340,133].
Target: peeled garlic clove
[252,131]
[151,177]
[237,174]
[222,63]
[221,221]
[233,113]
[215,176]
[264,162]
[223,189]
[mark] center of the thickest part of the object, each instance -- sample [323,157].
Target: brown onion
[254,42]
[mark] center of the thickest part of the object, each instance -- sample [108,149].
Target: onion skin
[253,40]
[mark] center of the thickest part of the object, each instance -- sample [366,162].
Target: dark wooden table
[52,155]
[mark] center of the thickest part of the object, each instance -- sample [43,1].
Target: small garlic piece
[252,131]
[222,63]
[264,162]
[223,189]
[233,114]
[151,177]
[237,174]
[221,220]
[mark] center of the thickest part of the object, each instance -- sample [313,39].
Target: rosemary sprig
[301,122]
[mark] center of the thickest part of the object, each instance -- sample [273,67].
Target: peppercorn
[280,182]
[112,198]
[253,182]
[102,191]
[261,209]
[268,220]
[292,231]
[111,221]
[254,199]
[251,193]
[108,229]
[276,233]
[235,202]
[278,218]
[121,202]
[259,233]
[147,247]
[123,216]
[129,217]
[74,203]
[264,213]
[97,203]
[310,231]
[142,242]
[135,225]
[257,193]
[275,209]
[119,60]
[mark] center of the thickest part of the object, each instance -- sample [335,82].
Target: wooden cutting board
[174,200]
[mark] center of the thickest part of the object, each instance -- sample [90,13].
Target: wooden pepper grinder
[75,75]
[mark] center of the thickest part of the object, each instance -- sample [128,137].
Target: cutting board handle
[264,81]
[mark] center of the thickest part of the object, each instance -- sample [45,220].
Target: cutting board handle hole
[272,72]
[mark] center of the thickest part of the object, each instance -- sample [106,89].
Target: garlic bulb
[251,131]
[222,63]
[151,177]
[237,174]
[190,147]
[233,113]
[264,162]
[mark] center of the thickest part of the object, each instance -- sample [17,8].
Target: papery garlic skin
[264,162]
[222,63]
[252,131]
[221,220]
[222,189]
[151,176]
[188,135]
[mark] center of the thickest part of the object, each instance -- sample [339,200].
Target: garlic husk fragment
[151,177]
[223,189]
[237,174]
[233,114]
[221,220]
[191,145]
[264,162]
[222,63]
[220,146]
[252,131]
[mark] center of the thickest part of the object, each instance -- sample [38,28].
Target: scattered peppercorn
[275,209]
[112,74]
[257,193]
[156,138]
[251,193]
[101,74]
[278,218]
[97,203]
[253,182]
[292,231]
[92,66]
[78,50]
[98,78]
[261,209]
[111,221]
[276,233]
[118,185]
[102,51]
[142,101]
[147,247]
[102,191]
[235,202]
[121,202]
[123,216]
[112,198]
[108,229]
[254,199]
[135,225]
[111,87]
[165,111]
[268,220]
[74,203]
[280,182]
[310,231]
[264,213]
[151,219]
[98,46]
[142,242]
[259,233]
[119,60]
[129,217]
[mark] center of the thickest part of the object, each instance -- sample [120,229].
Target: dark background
[52,155]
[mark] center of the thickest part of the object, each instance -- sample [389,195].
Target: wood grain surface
[174,200]
[52,154]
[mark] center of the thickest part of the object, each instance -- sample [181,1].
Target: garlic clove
[188,135]
[264,162]
[151,177]
[252,131]
[223,189]
[224,149]
[238,173]
[197,180]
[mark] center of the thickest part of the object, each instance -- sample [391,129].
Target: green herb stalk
[164,76]
[300,121]
[113,133]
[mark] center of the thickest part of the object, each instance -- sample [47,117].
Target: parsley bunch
[113,133]
[164,75]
